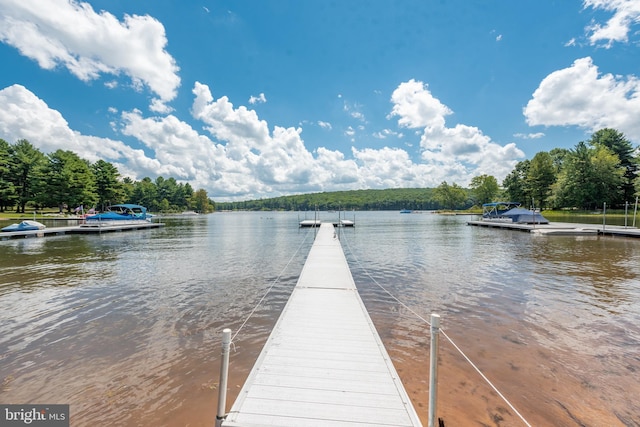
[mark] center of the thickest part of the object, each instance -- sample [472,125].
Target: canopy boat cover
[25,226]
[121,212]
[511,211]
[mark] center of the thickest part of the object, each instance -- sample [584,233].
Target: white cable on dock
[485,378]
[443,333]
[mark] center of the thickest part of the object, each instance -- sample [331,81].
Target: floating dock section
[78,229]
[562,228]
[324,363]
[316,223]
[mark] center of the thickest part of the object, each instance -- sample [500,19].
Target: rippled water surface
[125,327]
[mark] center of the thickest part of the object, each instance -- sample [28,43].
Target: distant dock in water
[316,221]
[306,223]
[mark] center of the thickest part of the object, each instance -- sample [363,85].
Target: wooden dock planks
[324,363]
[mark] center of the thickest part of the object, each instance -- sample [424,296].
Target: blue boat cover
[525,216]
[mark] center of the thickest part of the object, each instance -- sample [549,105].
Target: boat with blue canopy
[118,214]
[511,212]
[27,225]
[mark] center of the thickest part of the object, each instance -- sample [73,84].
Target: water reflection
[554,314]
[600,271]
[108,321]
[125,326]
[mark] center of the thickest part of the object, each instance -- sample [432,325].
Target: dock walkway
[324,363]
[77,229]
[562,228]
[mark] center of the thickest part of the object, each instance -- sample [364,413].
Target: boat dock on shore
[561,228]
[324,363]
[78,229]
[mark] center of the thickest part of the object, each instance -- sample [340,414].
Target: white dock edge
[324,364]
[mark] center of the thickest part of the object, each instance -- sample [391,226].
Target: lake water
[125,327]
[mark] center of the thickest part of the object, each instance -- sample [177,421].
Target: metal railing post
[433,369]
[626,209]
[224,375]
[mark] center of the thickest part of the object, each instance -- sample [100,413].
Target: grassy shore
[615,217]
[11,214]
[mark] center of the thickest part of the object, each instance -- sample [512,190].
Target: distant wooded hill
[388,199]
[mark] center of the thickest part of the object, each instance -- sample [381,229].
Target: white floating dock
[78,229]
[324,364]
[562,228]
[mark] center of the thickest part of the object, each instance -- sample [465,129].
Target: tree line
[62,179]
[388,199]
[603,169]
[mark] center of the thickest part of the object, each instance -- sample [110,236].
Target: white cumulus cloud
[416,107]
[458,153]
[25,116]
[71,34]
[535,135]
[626,14]
[277,158]
[384,133]
[260,99]
[241,157]
[581,96]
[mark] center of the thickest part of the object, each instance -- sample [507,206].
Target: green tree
[609,177]
[201,202]
[450,196]
[145,194]
[184,195]
[109,189]
[484,188]
[165,206]
[7,189]
[128,186]
[170,190]
[26,165]
[515,184]
[68,181]
[589,177]
[557,156]
[540,177]
[636,186]
[620,146]
[162,189]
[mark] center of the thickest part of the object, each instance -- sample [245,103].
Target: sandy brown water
[126,327]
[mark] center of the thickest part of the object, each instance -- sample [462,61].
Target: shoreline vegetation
[598,173]
[552,215]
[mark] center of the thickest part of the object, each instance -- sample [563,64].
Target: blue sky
[260,98]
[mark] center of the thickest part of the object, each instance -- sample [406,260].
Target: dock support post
[433,369]
[626,209]
[224,375]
